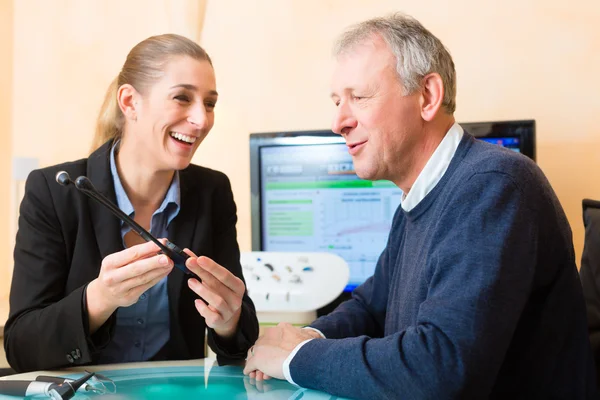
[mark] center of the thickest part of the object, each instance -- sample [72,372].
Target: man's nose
[343,120]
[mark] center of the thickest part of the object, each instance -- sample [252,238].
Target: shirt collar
[434,169]
[173,195]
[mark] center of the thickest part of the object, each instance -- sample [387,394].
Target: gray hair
[418,52]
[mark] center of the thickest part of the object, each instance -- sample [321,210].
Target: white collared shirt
[434,170]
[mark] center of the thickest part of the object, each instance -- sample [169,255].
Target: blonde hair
[144,65]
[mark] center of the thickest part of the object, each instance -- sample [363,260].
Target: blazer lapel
[181,232]
[106,225]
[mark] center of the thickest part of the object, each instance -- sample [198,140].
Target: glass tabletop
[185,382]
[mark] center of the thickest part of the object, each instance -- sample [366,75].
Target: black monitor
[515,135]
[306,196]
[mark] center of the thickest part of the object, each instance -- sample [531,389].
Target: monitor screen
[307,197]
[515,135]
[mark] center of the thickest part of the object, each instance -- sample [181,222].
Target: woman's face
[175,114]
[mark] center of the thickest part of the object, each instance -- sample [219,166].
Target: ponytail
[109,124]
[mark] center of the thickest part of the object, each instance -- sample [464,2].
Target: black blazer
[63,237]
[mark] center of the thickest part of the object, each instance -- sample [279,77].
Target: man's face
[381,126]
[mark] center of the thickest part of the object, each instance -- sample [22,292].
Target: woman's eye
[210,105]
[182,97]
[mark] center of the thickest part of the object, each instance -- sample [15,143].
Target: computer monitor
[515,135]
[307,197]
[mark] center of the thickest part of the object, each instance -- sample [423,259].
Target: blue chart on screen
[512,143]
[192,382]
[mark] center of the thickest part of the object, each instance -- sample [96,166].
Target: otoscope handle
[25,388]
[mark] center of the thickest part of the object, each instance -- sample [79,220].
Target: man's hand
[266,357]
[268,390]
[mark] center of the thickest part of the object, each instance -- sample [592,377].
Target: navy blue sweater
[476,295]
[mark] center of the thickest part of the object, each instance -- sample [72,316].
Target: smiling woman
[80,272]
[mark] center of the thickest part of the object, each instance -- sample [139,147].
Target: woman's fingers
[214,318]
[220,300]
[215,274]
[136,271]
[216,287]
[148,276]
[125,275]
[189,253]
[133,294]
[129,255]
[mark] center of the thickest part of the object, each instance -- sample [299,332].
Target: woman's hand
[124,276]
[223,292]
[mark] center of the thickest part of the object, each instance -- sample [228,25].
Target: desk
[201,379]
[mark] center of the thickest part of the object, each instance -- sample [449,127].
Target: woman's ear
[127,98]
[432,96]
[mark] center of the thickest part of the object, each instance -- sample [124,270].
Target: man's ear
[127,97]
[432,95]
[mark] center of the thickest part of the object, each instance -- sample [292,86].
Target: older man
[476,294]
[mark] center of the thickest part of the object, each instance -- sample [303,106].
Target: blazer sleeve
[45,328]
[227,253]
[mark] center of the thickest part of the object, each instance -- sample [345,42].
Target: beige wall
[515,59]
[67,52]
[6,82]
